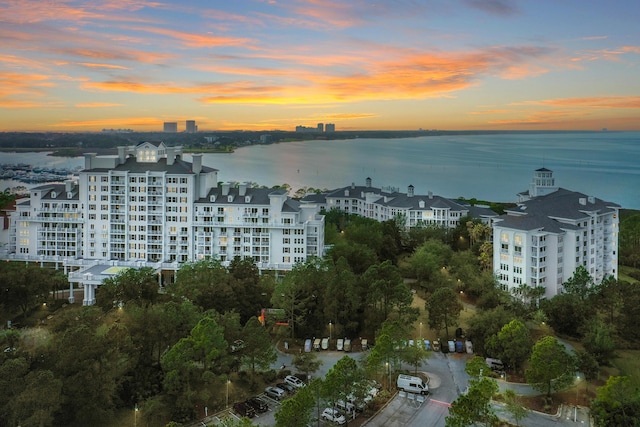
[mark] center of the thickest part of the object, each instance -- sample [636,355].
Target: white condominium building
[388,203]
[146,206]
[550,233]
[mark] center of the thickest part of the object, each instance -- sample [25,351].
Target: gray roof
[60,190]
[564,203]
[179,167]
[259,196]
[533,222]
[546,212]
[394,199]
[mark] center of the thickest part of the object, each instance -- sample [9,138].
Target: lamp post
[330,332]
[135,416]
[420,331]
[388,376]
[227,402]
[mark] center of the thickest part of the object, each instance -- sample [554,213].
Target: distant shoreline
[76,144]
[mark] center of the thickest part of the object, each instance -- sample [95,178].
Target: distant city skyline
[78,65]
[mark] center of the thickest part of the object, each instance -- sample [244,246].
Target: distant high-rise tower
[320,127]
[171,127]
[191,126]
[330,127]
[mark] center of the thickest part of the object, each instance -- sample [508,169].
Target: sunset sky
[69,65]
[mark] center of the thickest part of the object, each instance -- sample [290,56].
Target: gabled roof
[179,167]
[258,196]
[154,143]
[393,199]
[533,222]
[59,189]
[564,204]
[552,211]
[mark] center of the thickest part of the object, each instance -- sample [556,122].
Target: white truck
[412,384]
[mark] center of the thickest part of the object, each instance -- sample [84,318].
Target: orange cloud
[113,122]
[34,11]
[106,66]
[196,40]
[490,112]
[97,105]
[606,102]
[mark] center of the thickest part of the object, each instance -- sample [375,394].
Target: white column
[89,294]
[71,296]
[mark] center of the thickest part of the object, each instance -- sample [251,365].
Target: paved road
[447,380]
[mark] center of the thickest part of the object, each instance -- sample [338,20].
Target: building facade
[190,126]
[550,233]
[147,207]
[383,204]
[171,127]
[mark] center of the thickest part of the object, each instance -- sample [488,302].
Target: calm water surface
[489,167]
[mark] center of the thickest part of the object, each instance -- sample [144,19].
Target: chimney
[122,154]
[410,191]
[225,188]
[368,181]
[353,185]
[430,194]
[87,159]
[196,166]
[171,155]
[242,189]
[68,186]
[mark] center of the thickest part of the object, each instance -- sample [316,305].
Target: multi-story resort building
[146,206]
[383,204]
[550,233]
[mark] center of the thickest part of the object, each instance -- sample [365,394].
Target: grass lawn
[623,274]
[628,363]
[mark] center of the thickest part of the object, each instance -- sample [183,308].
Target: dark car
[286,387]
[258,405]
[244,410]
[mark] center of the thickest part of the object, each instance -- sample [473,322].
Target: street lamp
[135,416]
[330,332]
[421,331]
[228,382]
[388,376]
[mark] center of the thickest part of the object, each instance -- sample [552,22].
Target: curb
[380,410]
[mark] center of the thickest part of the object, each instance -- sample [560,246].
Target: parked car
[257,404]
[340,344]
[275,393]
[294,381]
[469,346]
[427,345]
[307,346]
[333,415]
[286,387]
[459,347]
[348,408]
[452,346]
[325,343]
[244,410]
[347,345]
[316,344]
[364,343]
[494,364]
[436,345]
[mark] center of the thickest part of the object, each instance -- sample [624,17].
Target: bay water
[493,167]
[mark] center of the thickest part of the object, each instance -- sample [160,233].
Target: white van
[412,384]
[347,407]
[494,364]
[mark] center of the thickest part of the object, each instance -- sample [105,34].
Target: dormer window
[53,195]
